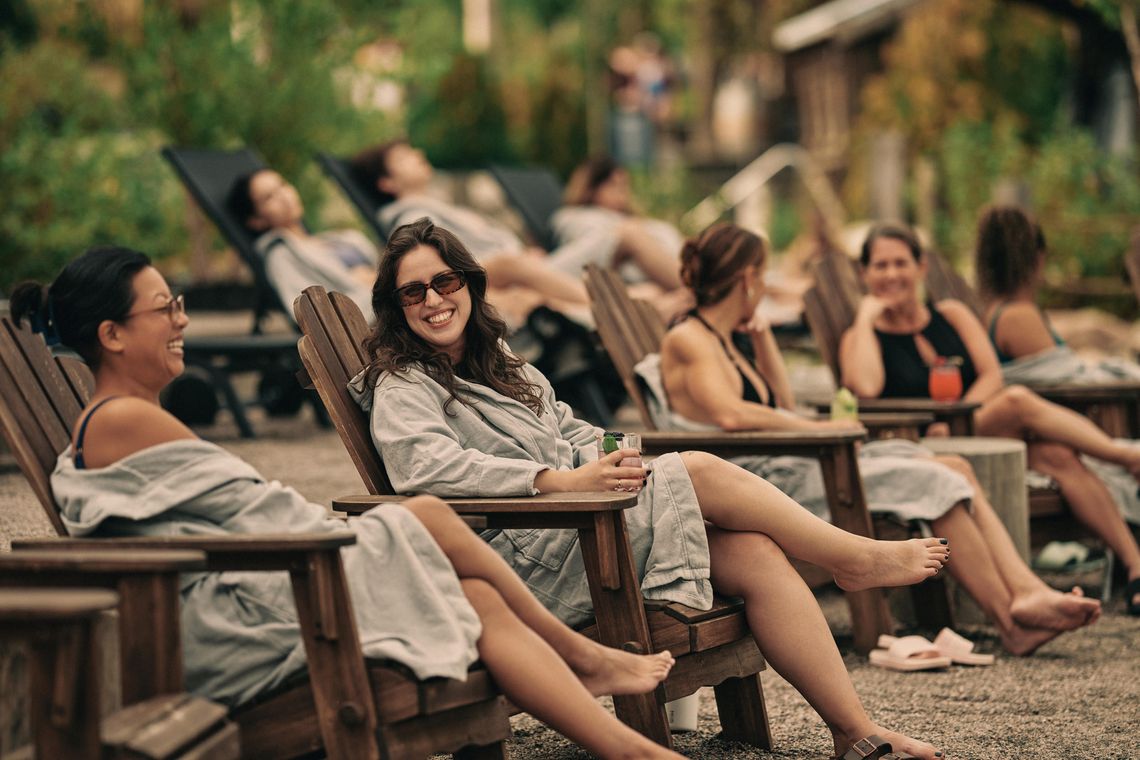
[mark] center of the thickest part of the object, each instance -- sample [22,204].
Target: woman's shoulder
[956,312]
[686,339]
[124,425]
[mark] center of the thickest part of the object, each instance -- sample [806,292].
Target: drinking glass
[945,382]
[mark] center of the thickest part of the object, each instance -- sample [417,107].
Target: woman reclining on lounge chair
[895,337]
[704,381]
[133,469]
[340,260]
[476,420]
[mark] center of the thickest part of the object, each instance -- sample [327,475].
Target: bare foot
[1022,641]
[893,563]
[1052,609]
[607,671]
[900,743]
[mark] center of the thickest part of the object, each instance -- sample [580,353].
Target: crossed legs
[735,499]
[543,666]
[752,527]
[793,634]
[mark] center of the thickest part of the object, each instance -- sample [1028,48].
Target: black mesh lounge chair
[365,199]
[208,175]
[536,193]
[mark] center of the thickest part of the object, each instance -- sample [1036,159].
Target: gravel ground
[1079,697]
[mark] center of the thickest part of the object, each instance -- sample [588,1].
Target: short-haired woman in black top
[896,337]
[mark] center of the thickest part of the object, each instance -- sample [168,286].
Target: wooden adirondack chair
[712,648]
[631,329]
[58,626]
[347,706]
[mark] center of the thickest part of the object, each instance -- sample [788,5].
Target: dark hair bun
[691,265]
[28,301]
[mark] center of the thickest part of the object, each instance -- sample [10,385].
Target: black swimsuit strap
[83,431]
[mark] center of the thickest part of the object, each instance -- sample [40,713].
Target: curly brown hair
[1008,250]
[392,346]
[711,262]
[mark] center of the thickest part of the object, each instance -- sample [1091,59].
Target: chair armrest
[1106,393]
[771,443]
[56,561]
[581,502]
[263,551]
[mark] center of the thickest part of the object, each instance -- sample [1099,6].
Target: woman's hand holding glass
[619,470]
[606,474]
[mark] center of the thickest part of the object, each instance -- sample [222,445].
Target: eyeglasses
[174,308]
[444,284]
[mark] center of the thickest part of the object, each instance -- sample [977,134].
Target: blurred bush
[992,109]
[71,174]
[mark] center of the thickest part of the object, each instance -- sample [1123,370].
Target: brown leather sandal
[873,747]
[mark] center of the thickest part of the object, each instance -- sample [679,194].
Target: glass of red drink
[945,381]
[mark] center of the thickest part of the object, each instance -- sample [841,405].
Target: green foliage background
[85,106]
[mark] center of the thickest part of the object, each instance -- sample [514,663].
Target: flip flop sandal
[873,747]
[908,654]
[959,649]
[1130,592]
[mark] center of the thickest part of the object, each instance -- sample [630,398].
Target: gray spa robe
[495,446]
[293,264]
[900,477]
[240,632]
[1061,365]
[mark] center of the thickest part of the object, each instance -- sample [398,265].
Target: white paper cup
[682,713]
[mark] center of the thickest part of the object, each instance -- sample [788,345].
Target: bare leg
[505,270]
[659,265]
[735,499]
[1032,603]
[791,631]
[1089,499]
[602,669]
[514,304]
[535,678]
[1017,411]
[975,569]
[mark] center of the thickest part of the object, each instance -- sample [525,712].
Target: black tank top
[907,375]
[750,392]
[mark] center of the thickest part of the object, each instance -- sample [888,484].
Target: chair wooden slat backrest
[332,351]
[41,397]
[627,331]
[943,282]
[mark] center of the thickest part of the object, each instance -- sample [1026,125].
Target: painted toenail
[944,541]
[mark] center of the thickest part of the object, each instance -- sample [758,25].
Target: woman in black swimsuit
[707,380]
[896,337]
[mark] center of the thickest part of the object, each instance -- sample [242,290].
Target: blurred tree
[987,92]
